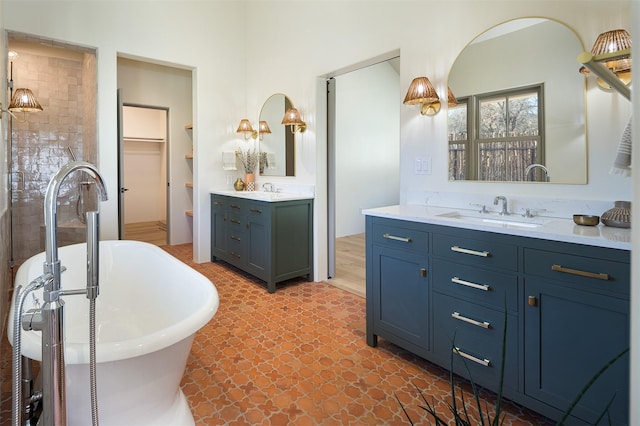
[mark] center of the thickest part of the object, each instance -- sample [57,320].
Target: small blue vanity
[435,280]
[266,234]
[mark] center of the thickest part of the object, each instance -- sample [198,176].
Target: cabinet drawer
[586,273]
[476,252]
[486,287]
[477,332]
[394,233]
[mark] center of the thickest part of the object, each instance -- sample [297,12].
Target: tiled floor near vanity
[298,357]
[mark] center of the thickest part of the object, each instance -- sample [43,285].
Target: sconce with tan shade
[263,129]
[451,99]
[246,128]
[610,61]
[421,92]
[292,118]
[23,101]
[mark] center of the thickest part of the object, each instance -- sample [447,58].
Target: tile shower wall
[65,86]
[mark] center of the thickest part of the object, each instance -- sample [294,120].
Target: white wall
[367,144]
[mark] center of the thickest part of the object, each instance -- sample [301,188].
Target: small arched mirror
[521,106]
[277,143]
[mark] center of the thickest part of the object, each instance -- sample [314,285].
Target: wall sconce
[246,128]
[610,57]
[263,129]
[292,118]
[421,92]
[23,101]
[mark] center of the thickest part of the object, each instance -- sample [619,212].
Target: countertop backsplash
[545,207]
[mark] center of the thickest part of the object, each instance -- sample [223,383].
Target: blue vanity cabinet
[398,307]
[576,320]
[566,307]
[272,241]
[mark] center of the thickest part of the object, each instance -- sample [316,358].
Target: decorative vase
[249,183]
[238,185]
[619,216]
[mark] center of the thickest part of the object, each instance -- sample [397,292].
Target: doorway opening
[363,121]
[144,149]
[165,170]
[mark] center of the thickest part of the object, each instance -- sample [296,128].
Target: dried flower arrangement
[248,159]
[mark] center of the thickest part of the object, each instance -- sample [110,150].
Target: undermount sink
[494,219]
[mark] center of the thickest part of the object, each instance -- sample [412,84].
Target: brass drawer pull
[234,206]
[457,280]
[597,276]
[483,324]
[237,222]
[481,361]
[236,255]
[472,252]
[235,238]
[394,238]
[255,211]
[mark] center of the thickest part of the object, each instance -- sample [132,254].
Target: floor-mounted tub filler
[149,308]
[116,359]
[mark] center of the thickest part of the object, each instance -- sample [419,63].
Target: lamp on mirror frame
[263,129]
[421,92]
[610,43]
[246,128]
[292,118]
[451,99]
[24,101]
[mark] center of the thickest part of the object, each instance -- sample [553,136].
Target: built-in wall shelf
[189,213]
[189,184]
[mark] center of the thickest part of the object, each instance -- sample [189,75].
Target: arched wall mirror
[521,106]
[277,145]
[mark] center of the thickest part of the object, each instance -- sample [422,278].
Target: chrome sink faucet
[504,210]
[268,187]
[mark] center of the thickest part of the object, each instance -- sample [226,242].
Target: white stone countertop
[548,228]
[263,195]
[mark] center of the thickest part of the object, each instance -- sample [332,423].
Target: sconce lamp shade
[451,99]
[610,43]
[263,127]
[246,128]
[421,92]
[292,118]
[23,100]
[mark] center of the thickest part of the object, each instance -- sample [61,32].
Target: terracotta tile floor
[299,357]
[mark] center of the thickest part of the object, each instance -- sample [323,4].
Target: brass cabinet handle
[483,324]
[423,272]
[235,238]
[255,211]
[457,280]
[598,276]
[532,301]
[481,361]
[234,206]
[472,252]
[237,222]
[235,255]
[393,237]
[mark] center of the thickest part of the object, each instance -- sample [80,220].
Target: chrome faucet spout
[52,264]
[536,165]
[504,210]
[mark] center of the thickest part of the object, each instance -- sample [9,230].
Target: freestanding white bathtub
[147,313]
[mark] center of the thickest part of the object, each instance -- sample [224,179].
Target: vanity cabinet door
[400,298]
[257,236]
[569,335]
[218,228]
